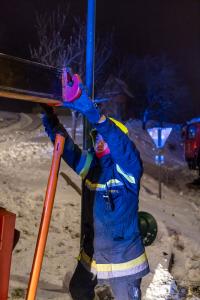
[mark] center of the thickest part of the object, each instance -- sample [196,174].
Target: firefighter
[112,250]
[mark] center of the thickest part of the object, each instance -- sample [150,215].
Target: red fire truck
[192,144]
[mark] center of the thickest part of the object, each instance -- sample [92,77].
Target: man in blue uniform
[112,250]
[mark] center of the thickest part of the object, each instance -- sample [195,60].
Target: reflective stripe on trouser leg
[106,271]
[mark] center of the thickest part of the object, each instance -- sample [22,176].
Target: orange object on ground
[7,228]
[46,217]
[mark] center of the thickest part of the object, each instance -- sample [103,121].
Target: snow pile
[24,152]
[162,287]
[25,157]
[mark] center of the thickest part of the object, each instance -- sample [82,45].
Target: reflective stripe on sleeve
[86,165]
[103,187]
[126,175]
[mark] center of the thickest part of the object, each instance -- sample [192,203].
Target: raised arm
[122,149]
[78,160]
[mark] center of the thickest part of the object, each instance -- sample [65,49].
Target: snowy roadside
[25,157]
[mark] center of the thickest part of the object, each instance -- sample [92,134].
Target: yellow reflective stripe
[87,164]
[113,267]
[99,186]
[90,262]
[122,266]
[120,125]
[94,186]
[113,182]
[128,177]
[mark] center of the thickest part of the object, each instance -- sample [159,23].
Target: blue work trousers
[83,283]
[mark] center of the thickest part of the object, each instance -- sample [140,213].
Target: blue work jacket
[112,244]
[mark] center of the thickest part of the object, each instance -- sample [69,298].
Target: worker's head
[100,146]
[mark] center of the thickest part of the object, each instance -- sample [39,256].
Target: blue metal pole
[159,159]
[90,55]
[90,46]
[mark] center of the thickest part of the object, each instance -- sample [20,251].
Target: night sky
[154,27]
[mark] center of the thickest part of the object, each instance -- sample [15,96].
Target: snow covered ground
[25,159]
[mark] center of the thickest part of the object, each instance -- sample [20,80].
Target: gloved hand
[85,106]
[51,123]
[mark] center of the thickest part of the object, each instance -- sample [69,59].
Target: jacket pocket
[113,200]
[117,231]
[115,217]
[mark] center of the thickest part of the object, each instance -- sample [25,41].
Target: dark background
[170,27]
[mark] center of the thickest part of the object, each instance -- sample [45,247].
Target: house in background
[120,99]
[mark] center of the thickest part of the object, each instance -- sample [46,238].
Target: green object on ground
[148,227]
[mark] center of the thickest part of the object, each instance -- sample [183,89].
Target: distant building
[121,99]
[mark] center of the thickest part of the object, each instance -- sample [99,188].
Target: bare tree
[58,48]
[164,90]
[156,85]
[52,49]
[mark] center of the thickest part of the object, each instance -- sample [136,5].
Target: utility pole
[90,55]
[90,60]
[159,165]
